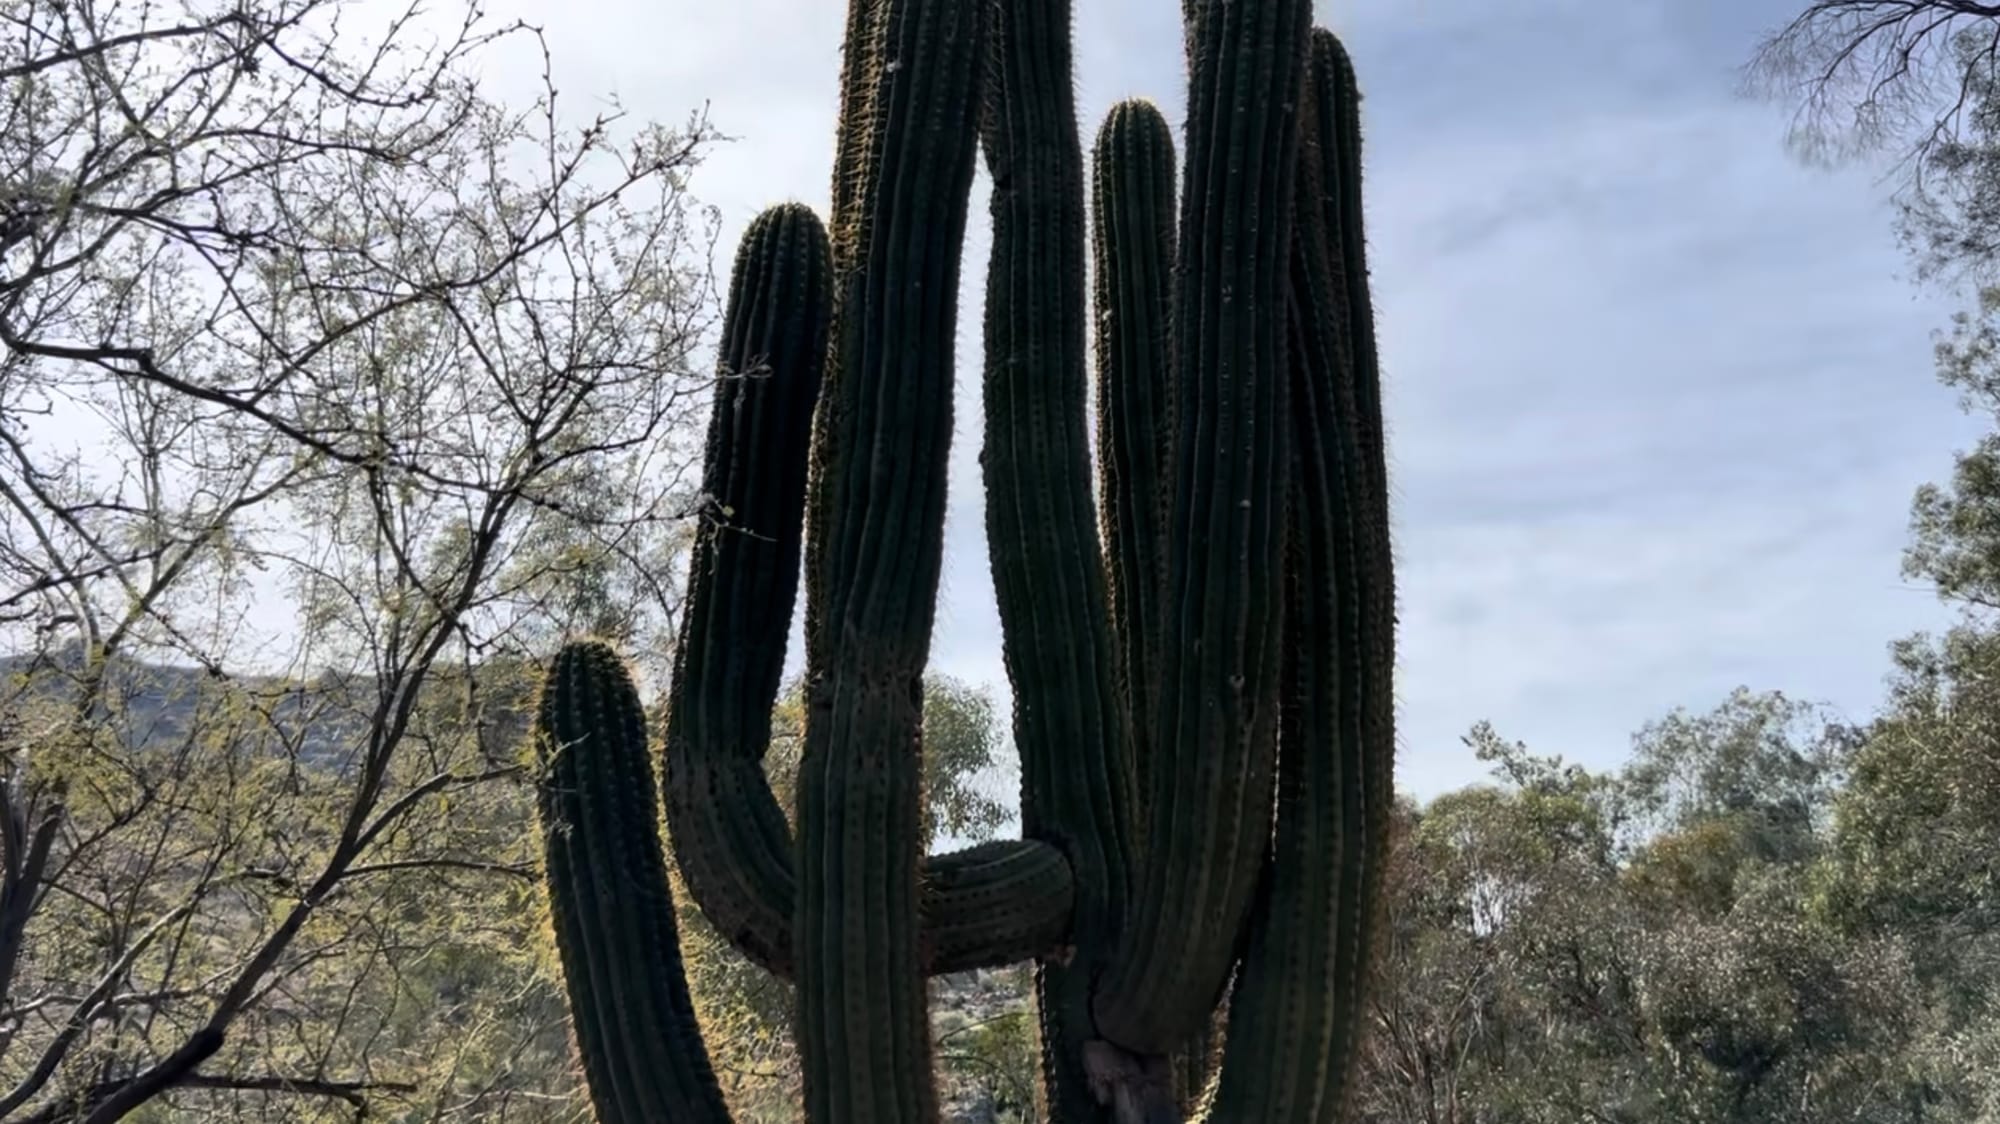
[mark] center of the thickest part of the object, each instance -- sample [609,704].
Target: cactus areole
[1199,637]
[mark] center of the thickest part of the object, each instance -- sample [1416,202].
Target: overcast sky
[1657,394]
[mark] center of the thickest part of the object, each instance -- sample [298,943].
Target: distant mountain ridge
[322,721]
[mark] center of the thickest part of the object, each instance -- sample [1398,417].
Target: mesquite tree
[1202,702]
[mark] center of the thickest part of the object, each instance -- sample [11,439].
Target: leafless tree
[1865,73]
[1917,81]
[330,392]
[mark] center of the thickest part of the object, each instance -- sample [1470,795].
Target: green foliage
[1655,943]
[417,984]
[1955,527]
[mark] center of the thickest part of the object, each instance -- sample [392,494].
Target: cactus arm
[1338,113]
[1000,903]
[1340,142]
[1040,515]
[729,834]
[882,438]
[1216,731]
[1302,994]
[1132,244]
[610,902]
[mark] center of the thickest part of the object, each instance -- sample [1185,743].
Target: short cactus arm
[613,911]
[1216,733]
[1000,903]
[882,435]
[1041,520]
[1132,243]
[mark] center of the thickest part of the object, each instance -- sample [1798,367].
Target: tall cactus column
[877,515]
[1215,724]
[1041,523]
[1300,1000]
[1132,247]
[1368,785]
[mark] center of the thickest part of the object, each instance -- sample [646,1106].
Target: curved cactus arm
[881,441]
[1215,733]
[729,834]
[612,909]
[1041,520]
[1132,245]
[1001,903]
[1301,998]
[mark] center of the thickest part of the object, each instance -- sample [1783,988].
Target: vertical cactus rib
[613,912]
[1216,730]
[1132,244]
[877,503]
[995,904]
[857,120]
[1041,522]
[857,139]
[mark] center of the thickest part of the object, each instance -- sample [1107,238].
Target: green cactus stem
[1132,243]
[1041,522]
[1338,112]
[730,836]
[1215,729]
[877,516]
[609,898]
[1287,999]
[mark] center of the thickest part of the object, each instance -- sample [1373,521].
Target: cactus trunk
[882,440]
[1041,523]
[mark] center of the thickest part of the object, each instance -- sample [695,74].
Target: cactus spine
[1201,702]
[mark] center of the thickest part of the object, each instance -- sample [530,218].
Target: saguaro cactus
[1201,699]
